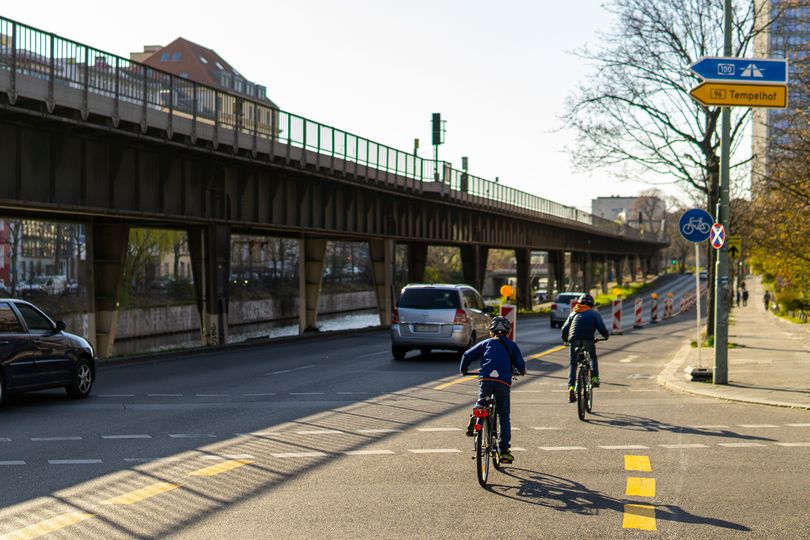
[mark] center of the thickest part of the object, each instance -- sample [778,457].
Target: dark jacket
[584,325]
[496,364]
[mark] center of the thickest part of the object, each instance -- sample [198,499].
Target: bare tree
[636,111]
[651,207]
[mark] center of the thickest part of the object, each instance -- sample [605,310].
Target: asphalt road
[331,438]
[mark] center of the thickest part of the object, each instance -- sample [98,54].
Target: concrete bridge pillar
[556,273]
[576,266]
[474,264]
[587,272]
[311,255]
[605,272]
[210,250]
[633,267]
[619,262]
[108,251]
[417,258]
[381,253]
[523,258]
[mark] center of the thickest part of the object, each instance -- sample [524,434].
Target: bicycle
[583,386]
[487,431]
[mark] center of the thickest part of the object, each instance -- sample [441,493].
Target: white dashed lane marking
[369,452]
[298,454]
[74,461]
[792,444]
[626,447]
[12,462]
[192,435]
[137,436]
[44,439]
[740,444]
[757,425]
[164,395]
[798,425]
[678,446]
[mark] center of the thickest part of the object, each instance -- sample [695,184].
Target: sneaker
[471,427]
[572,394]
[507,457]
[595,381]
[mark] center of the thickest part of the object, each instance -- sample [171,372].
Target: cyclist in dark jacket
[498,355]
[579,330]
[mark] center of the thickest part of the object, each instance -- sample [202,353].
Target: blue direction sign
[695,225]
[752,70]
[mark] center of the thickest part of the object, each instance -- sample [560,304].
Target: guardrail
[28,51]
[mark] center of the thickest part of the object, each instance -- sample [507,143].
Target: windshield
[566,298]
[429,299]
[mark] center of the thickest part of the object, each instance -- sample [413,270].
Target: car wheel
[398,352]
[82,380]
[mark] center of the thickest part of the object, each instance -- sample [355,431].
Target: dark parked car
[36,353]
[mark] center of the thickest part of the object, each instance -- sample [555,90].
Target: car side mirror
[60,325]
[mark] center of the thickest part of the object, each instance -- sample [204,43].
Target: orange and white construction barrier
[617,316]
[638,307]
[654,308]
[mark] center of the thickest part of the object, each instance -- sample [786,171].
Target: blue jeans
[501,393]
[572,358]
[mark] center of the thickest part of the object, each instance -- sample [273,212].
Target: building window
[176,57]
[164,57]
[203,60]
[219,66]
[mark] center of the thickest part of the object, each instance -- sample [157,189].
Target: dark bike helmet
[586,299]
[500,325]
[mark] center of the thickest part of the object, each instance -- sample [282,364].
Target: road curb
[668,378]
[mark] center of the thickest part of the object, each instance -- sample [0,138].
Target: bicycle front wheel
[482,439]
[494,443]
[581,394]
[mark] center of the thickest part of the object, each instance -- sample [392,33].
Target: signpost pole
[721,296]
[697,302]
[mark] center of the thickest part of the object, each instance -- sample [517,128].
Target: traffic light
[674,261]
[437,128]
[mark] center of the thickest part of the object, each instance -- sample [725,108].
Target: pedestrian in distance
[767,299]
[579,331]
[738,297]
[498,356]
[745,297]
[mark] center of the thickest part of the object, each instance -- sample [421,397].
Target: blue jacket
[495,360]
[584,325]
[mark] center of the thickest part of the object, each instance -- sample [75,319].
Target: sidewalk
[769,366]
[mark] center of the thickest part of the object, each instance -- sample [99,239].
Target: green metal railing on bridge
[25,50]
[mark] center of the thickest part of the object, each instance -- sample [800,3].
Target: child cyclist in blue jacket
[498,355]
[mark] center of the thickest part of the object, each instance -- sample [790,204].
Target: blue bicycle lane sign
[695,225]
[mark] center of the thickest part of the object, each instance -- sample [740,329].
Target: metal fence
[28,51]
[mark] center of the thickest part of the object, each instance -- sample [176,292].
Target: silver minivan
[561,308]
[442,317]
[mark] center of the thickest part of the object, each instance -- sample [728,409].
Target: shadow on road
[640,423]
[564,495]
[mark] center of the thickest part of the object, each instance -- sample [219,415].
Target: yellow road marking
[225,466]
[48,526]
[139,495]
[639,516]
[532,357]
[451,383]
[641,487]
[637,463]
[545,353]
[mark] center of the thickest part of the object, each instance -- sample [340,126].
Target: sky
[499,73]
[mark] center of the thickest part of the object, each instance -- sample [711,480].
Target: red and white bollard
[668,306]
[654,308]
[638,306]
[682,307]
[617,317]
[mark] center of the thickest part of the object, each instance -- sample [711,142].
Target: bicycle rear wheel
[588,393]
[581,394]
[482,452]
